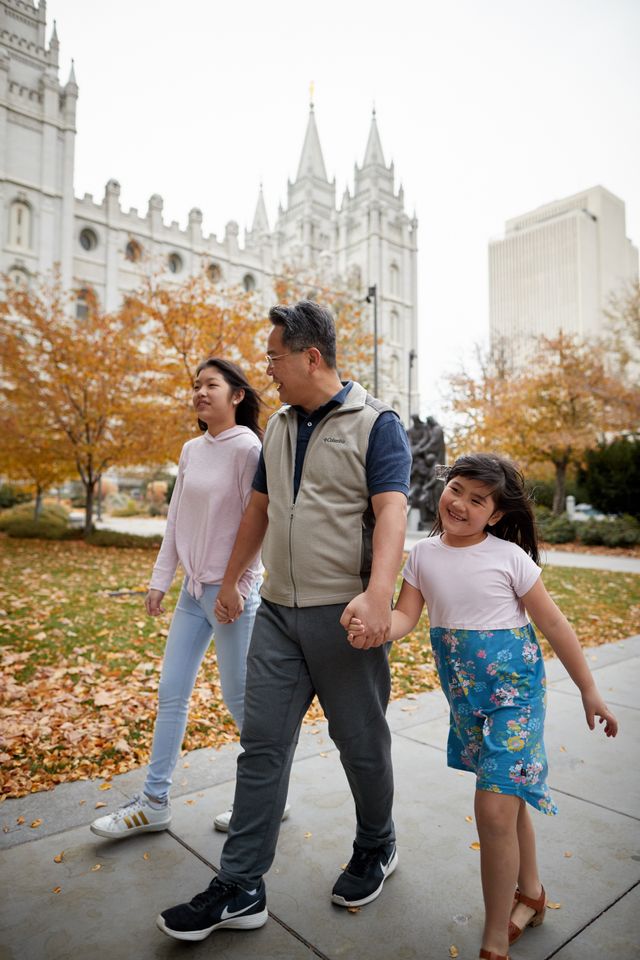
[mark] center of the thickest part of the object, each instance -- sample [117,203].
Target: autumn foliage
[561,404]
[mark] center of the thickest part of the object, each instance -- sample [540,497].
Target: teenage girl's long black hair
[506,484]
[248,410]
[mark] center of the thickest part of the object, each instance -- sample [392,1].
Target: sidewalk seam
[592,921]
[594,803]
[285,926]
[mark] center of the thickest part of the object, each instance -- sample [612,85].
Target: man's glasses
[271,358]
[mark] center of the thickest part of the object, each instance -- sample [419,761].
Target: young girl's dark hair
[248,410]
[506,484]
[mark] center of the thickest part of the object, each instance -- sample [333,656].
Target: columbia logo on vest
[333,440]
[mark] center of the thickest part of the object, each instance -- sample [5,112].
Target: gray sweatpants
[294,653]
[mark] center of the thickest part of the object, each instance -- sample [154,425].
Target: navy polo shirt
[388,462]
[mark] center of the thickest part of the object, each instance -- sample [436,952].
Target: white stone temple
[368,239]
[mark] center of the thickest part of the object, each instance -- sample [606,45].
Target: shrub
[22,528]
[111,538]
[10,495]
[621,532]
[52,514]
[612,476]
[558,529]
[128,509]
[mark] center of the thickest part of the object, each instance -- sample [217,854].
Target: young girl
[214,482]
[479,577]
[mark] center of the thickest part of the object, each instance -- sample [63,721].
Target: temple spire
[311,160]
[260,218]
[373,154]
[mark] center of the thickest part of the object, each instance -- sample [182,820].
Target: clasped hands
[229,604]
[367,620]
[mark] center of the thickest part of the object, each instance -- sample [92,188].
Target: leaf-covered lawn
[80,658]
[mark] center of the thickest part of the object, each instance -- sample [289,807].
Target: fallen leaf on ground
[343,866]
[563,749]
[99,804]
[469,819]
[59,858]
[36,823]
[353,909]
[568,854]
[56,890]
[475,845]
[98,866]
[145,856]
[189,803]
[104,786]
[323,754]
[20,821]
[453,951]
[553,906]
[307,835]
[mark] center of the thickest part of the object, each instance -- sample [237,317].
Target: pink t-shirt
[472,588]
[212,490]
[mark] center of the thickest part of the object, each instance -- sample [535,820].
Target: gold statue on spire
[312,88]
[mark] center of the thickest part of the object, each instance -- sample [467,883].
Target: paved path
[148,526]
[110,893]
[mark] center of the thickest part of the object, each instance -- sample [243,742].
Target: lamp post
[372,295]
[412,358]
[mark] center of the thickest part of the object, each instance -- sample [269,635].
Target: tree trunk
[38,506]
[88,513]
[559,492]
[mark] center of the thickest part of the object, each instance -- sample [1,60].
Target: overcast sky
[488,108]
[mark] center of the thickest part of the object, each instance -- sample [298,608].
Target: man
[329,501]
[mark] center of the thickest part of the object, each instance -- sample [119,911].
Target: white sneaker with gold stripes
[135,816]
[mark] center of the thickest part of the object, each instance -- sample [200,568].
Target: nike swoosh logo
[226,913]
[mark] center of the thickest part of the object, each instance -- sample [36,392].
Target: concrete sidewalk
[110,892]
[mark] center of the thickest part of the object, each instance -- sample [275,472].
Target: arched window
[88,239]
[214,272]
[394,370]
[133,251]
[394,327]
[174,263]
[20,224]
[82,303]
[19,278]
[394,279]
[249,282]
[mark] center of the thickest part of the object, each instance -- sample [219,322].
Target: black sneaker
[220,905]
[364,875]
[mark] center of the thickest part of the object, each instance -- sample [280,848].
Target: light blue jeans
[192,628]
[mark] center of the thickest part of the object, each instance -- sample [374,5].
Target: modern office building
[556,269]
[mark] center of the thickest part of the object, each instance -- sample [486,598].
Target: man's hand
[153,603]
[374,613]
[229,604]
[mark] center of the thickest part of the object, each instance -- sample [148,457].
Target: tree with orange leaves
[81,383]
[183,325]
[554,409]
[28,452]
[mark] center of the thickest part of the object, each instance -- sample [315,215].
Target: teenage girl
[213,486]
[479,576]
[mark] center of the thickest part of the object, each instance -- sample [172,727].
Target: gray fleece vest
[318,550]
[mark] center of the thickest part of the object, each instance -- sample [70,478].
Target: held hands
[229,604]
[371,619]
[153,603]
[594,706]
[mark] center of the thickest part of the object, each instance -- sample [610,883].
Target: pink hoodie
[212,490]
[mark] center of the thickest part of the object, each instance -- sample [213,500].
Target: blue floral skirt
[495,683]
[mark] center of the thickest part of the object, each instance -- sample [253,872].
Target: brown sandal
[539,905]
[490,955]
